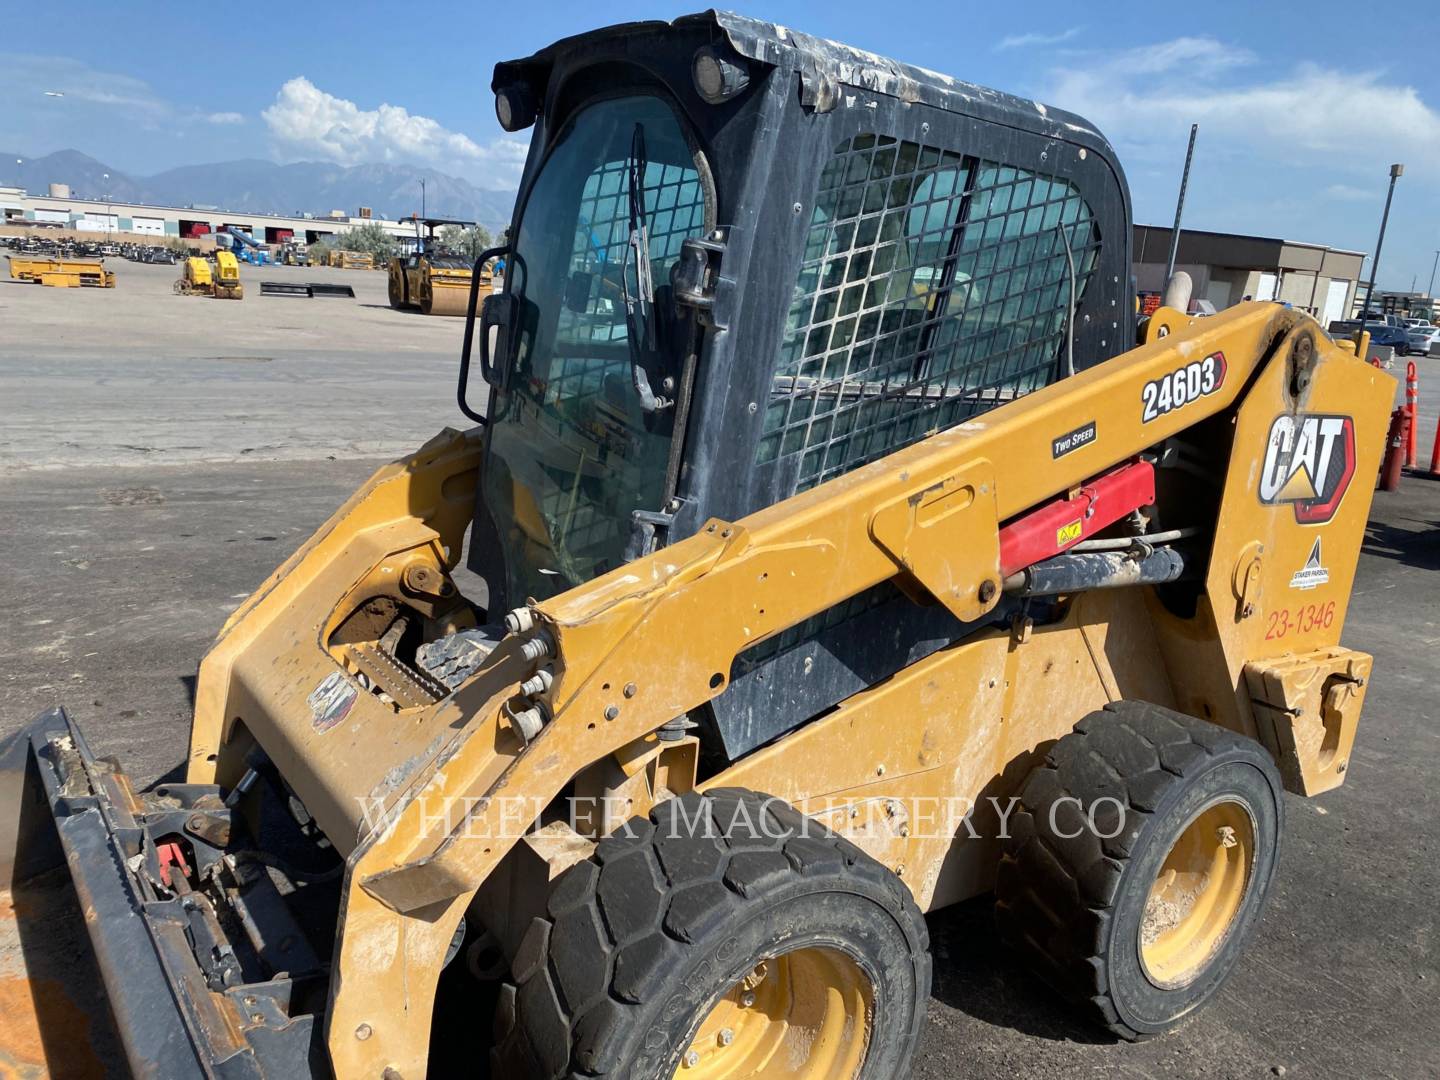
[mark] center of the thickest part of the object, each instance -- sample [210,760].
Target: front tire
[1138,863]
[759,943]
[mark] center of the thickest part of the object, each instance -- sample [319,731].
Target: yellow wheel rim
[804,1014]
[1197,894]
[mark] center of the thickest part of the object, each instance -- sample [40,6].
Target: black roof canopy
[826,70]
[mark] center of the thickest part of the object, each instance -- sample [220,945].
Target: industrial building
[57,209]
[1229,267]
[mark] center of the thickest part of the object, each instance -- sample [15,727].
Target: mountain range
[263,187]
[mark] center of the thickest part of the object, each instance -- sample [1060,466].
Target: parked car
[1387,333]
[1381,333]
[1423,337]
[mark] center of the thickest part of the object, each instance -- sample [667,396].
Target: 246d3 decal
[1309,460]
[1195,380]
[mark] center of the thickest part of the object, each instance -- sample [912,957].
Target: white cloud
[1026,41]
[1294,149]
[1195,55]
[45,96]
[1307,113]
[308,121]
[74,81]
[1350,193]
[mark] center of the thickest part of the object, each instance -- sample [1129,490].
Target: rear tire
[673,940]
[1140,928]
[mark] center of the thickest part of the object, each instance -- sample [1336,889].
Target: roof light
[717,77]
[515,106]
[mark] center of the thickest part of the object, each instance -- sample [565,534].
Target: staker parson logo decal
[1309,460]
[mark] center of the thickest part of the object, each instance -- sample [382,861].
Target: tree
[469,242]
[370,237]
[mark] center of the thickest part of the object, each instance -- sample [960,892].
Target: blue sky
[1301,107]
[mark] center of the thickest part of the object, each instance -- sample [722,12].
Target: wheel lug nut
[1226,835]
[726,1036]
[748,998]
[692,1058]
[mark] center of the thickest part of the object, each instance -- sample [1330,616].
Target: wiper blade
[639,307]
[639,243]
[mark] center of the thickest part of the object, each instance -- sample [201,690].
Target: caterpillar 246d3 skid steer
[846,550]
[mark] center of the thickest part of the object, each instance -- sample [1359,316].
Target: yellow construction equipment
[294,253]
[351,260]
[431,280]
[848,549]
[61,272]
[221,279]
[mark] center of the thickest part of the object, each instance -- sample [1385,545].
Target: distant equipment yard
[25,211]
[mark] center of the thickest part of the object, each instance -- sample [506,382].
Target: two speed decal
[1195,380]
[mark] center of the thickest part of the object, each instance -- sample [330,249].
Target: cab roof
[826,69]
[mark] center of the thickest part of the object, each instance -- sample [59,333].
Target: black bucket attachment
[206,970]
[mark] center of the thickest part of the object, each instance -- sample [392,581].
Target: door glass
[573,450]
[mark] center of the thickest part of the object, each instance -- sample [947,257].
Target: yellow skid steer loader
[846,550]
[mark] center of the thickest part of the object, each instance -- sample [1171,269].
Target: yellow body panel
[418,797]
[197,272]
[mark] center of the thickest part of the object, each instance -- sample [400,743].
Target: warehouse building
[1229,267]
[21,210]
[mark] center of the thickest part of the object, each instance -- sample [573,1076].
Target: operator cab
[744,262]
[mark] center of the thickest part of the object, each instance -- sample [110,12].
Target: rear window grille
[934,286]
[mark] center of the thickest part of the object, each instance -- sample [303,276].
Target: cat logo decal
[1309,461]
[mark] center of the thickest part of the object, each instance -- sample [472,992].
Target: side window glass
[933,286]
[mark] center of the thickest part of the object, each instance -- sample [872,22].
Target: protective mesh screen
[674,211]
[934,286]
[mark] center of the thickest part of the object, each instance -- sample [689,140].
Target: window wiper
[640,307]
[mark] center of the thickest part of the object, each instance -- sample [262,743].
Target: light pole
[108,230]
[1396,171]
[1430,289]
[1179,209]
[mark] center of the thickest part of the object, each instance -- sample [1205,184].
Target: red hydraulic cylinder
[1064,522]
